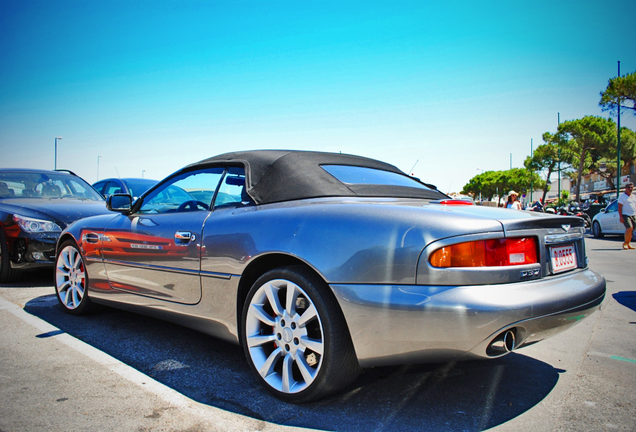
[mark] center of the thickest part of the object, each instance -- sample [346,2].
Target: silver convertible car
[320,264]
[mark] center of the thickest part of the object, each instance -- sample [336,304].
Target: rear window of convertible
[370,176]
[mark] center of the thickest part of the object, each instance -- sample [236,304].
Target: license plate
[563,258]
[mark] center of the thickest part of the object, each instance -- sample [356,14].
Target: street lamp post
[531,188]
[559,157]
[618,159]
[56,138]
[98,156]
[480,180]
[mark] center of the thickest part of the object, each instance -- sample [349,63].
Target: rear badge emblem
[566,228]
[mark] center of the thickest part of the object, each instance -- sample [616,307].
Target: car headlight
[32,225]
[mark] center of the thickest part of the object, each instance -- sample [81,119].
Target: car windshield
[371,176]
[138,186]
[45,185]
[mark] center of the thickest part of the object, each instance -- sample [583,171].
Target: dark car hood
[63,211]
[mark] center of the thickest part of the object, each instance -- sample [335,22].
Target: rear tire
[596,230]
[7,274]
[295,337]
[71,280]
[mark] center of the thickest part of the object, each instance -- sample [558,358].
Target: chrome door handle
[184,237]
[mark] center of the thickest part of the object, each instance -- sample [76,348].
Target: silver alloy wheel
[285,342]
[70,277]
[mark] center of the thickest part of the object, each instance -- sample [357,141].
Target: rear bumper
[397,324]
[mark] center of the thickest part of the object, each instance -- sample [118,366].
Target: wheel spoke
[308,315]
[257,312]
[76,298]
[268,365]
[272,296]
[288,378]
[259,340]
[67,297]
[315,345]
[306,371]
[65,258]
[65,285]
[290,299]
[77,260]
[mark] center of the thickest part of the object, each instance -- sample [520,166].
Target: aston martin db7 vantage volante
[320,264]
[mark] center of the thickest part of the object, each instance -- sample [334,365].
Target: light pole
[56,138]
[98,156]
[559,156]
[531,188]
[480,180]
[618,159]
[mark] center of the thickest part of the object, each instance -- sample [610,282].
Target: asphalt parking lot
[115,370]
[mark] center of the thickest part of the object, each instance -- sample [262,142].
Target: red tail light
[487,253]
[454,202]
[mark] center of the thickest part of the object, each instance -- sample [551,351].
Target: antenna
[411,170]
[118,176]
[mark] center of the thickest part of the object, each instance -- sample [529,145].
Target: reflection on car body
[134,187]
[319,264]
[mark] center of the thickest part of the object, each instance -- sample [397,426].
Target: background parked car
[131,186]
[607,221]
[35,206]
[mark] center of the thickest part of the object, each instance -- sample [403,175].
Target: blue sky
[450,87]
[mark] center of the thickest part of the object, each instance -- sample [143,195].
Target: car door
[155,251]
[226,244]
[610,221]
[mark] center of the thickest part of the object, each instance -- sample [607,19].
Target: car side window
[612,207]
[232,190]
[99,187]
[113,188]
[191,191]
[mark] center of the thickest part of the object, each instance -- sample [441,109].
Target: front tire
[71,280]
[596,230]
[7,274]
[295,337]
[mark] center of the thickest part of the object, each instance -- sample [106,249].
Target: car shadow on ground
[626,298]
[469,396]
[610,243]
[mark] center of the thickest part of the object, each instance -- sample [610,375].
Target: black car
[131,186]
[35,206]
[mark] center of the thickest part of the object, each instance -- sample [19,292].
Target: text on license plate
[563,258]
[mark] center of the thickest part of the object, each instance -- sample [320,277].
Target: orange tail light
[487,253]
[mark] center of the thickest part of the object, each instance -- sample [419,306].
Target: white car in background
[607,221]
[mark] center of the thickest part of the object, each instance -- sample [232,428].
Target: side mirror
[603,210]
[121,203]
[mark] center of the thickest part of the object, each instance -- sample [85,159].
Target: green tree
[621,89]
[546,158]
[483,184]
[499,183]
[584,142]
[607,155]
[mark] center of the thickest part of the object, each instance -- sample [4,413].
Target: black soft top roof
[284,175]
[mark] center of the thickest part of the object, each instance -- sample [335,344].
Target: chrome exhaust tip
[504,343]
